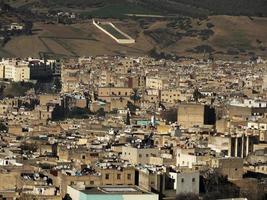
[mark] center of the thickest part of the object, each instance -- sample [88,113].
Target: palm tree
[197,95]
[135,96]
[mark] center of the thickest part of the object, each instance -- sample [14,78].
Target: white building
[250,103]
[186,182]
[111,193]
[257,126]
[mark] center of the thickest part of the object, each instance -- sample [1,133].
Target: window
[107,176]
[140,155]
[147,155]
[182,180]
[119,176]
[92,182]
[129,176]
[193,179]
[83,156]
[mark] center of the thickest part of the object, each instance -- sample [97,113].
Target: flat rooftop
[114,190]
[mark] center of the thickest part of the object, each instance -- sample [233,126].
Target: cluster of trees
[204,8]
[230,7]
[154,53]
[20,16]
[15,89]
[169,115]
[76,3]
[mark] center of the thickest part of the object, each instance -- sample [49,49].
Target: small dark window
[118,176]
[107,176]
[129,176]
[182,180]
[193,179]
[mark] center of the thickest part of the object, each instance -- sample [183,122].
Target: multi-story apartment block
[154,83]
[170,96]
[14,70]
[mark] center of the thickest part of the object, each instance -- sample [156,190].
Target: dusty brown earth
[84,39]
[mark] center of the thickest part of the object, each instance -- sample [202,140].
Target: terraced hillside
[187,28]
[244,37]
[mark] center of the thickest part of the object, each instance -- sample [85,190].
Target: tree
[57,85]
[169,115]
[131,107]
[101,112]
[28,147]
[216,186]
[79,113]
[3,127]
[135,96]
[197,95]
[67,197]
[58,113]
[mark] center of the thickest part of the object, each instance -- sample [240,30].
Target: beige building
[70,77]
[230,167]
[190,115]
[151,181]
[14,70]
[170,96]
[125,176]
[264,85]
[107,93]
[191,157]
[154,83]
[239,113]
[49,98]
[105,78]
[138,156]
[195,115]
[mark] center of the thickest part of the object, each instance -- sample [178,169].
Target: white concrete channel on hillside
[115,33]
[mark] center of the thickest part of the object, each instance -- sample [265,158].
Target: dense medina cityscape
[124,128]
